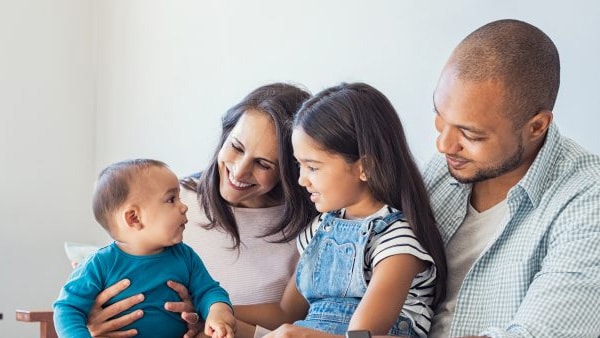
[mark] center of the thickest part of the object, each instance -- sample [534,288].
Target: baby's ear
[132,217]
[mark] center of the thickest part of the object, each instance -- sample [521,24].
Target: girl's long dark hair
[280,101]
[358,122]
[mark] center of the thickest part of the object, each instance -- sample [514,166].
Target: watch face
[358,334]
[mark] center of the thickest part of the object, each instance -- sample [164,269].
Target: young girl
[373,260]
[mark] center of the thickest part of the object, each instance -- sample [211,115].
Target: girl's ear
[362,164]
[132,217]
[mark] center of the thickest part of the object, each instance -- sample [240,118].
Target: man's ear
[538,125]
[132,217]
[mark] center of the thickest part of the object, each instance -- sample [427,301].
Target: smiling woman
[245,208]
[248,162]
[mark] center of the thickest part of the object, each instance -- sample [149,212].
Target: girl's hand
[98,319]
[293,331]
[186,308]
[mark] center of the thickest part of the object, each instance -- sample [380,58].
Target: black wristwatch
[358,334]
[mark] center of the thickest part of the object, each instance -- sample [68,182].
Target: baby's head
[140,197]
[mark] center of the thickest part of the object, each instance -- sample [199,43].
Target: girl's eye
[171,199]
[312,168]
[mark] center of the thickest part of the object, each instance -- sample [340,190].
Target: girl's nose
[302,180]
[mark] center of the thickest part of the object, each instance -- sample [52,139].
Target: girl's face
[332,182]
[248,162]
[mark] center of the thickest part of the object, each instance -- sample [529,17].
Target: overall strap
[379,224]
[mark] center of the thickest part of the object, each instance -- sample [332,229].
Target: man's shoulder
[435,170]
[576,169]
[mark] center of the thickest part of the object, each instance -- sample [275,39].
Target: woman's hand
[186,308]
[98,319]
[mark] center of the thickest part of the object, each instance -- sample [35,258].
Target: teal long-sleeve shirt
[149,276]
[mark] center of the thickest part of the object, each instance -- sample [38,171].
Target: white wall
[47,139]
[169,70]
[85,83]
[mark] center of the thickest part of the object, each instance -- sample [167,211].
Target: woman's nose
[242,169]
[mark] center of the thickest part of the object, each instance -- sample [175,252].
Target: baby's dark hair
[357,122]
[113,186]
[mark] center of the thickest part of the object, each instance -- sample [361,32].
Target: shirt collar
[538,175]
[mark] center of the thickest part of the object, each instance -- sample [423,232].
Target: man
[518,204]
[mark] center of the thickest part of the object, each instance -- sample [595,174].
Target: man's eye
[473,138]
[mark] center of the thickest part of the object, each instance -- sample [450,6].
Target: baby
[137,202]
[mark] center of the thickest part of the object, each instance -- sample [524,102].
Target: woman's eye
[171,200]
[264,166]
[237,148]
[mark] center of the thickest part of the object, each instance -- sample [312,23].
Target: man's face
[476,135]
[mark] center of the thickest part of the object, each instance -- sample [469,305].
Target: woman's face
[248,162]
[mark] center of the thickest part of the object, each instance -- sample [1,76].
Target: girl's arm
[381,305]
[292,307]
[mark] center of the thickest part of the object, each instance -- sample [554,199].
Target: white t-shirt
[259,272]
[463,249]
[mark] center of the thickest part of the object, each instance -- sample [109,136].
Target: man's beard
[509,164]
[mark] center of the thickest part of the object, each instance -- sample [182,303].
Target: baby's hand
[220,322]
[218,330]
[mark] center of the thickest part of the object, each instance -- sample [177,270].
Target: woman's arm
[292,307]
[381,305]
[99,322]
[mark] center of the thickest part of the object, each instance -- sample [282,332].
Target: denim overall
[330,273]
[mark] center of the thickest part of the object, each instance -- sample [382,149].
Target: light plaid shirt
[540,277]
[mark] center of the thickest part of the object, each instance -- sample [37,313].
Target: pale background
[87,82]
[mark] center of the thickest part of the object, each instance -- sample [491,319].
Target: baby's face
[161,212]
